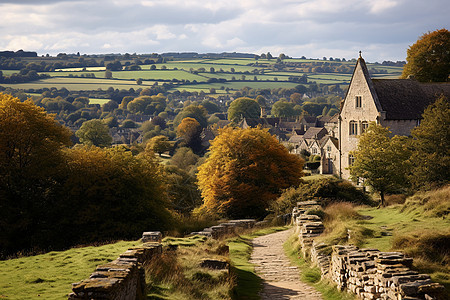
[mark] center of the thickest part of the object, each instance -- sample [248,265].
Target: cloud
[313,28]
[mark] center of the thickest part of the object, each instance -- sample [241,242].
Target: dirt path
[281,280]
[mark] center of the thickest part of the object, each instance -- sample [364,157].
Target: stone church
[394,103]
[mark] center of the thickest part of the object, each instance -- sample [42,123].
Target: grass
[178,275]
[311,275]
[50,275]
[420,228]
[248,283]
[79,84]
[98,101]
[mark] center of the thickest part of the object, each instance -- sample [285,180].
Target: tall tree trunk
[382,198]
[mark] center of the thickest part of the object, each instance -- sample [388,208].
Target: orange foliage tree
[428,60]
[247,169]
[190,130]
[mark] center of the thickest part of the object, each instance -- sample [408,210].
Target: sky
[381,29]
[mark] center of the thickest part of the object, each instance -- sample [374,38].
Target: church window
[351,160]
[328,148]
[364,126]
[358,101]
[353,130]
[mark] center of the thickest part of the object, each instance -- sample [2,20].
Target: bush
[395,199]
[326,191]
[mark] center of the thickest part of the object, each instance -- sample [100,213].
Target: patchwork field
[237,72]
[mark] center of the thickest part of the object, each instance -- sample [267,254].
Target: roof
[315,133]
[296,139]
[325,139]
[406,99]
[308,120]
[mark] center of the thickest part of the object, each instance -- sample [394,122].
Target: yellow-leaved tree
[245,171]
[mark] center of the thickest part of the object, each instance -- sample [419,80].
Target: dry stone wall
[124,278]
[223,229]
[368,273]
[121,279]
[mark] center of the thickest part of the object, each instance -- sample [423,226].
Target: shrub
[395,199]
[325,190]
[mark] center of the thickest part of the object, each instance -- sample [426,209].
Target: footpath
[281,279]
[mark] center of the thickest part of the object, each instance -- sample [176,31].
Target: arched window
[364,126]
[353,128]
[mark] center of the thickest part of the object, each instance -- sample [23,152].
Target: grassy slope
[50,275]
[392,223]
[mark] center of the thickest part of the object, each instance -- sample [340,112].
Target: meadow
[237,72]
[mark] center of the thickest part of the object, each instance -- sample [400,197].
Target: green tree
[210,106]
[428,60]
[431,154]
[243,108]
[94,132]
[195,111]
[108,74]
[283,109]
[246,170]
[182,189]
[158,144]
[184,159]
[381,162]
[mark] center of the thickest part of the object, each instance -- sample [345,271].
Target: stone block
[152,236]
[216,264]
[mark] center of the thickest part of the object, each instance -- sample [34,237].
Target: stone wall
[368,273]
[228,228]
[121,279]
[124,278]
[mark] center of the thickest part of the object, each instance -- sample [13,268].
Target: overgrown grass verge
[248,283]
[50,275]
[177,274]
[420,228]
[311,275]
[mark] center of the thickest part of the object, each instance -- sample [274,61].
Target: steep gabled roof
[315,133]
[295,139]
[405,99]
[325,139]
[361,62]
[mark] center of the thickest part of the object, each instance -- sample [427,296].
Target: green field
[81,69]
[180,71]
[79,84]
[98,101]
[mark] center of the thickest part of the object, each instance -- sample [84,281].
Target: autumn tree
[30,144]
[117,194]
[243,108]
[30,159]
[431,155]
[94,132]
[190,131]
[246,170]
[428,60]
[158,144]
[380,161]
